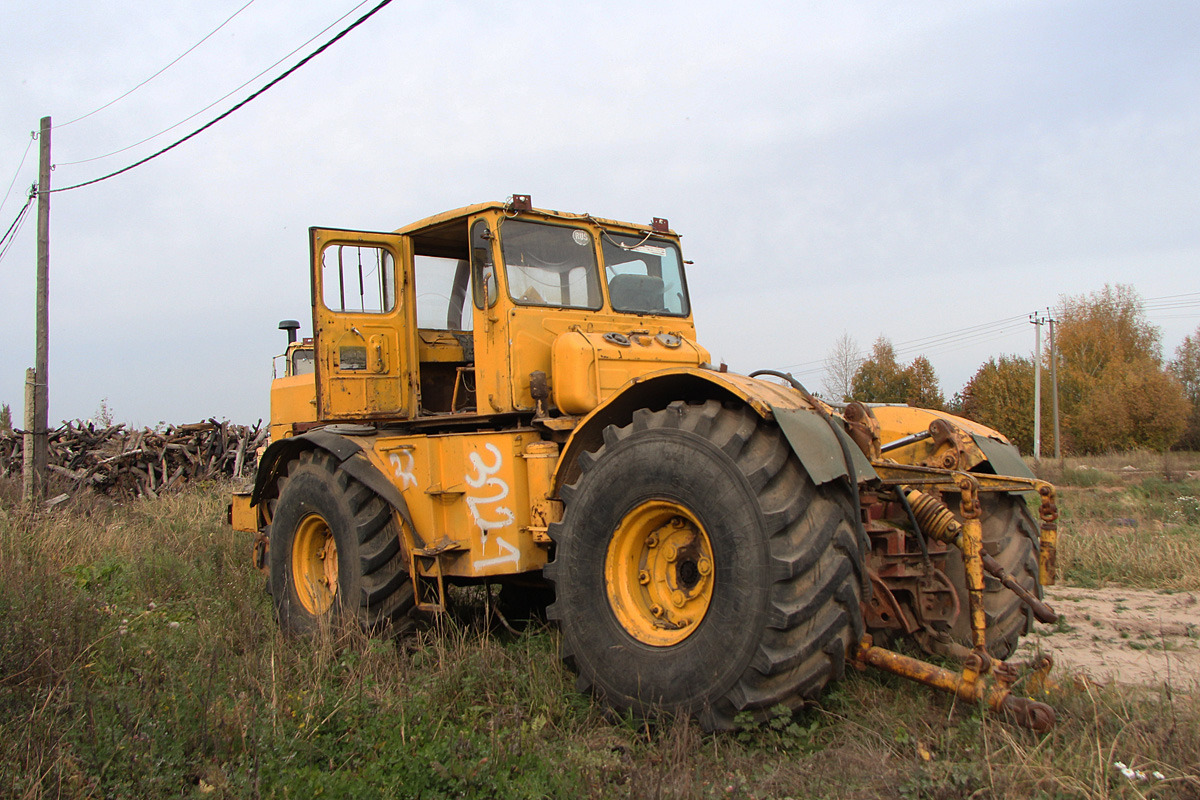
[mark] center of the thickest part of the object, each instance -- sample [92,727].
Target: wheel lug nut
[678,598]
[656,610]
[643,577]
[704,566]
[652,540]
[677,522]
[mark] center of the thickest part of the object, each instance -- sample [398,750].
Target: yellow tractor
[510,395]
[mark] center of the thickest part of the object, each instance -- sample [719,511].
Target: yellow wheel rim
[659,573]
[314,564]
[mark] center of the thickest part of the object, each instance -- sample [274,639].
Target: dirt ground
[1124,635]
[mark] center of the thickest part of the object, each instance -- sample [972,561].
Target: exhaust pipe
[291,326]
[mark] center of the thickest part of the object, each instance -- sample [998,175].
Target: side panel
[469,491]
[363,324]
[293,399]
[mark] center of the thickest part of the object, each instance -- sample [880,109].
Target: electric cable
[217,119]
[949,337]
[218,100]
[161,71]
[10,235]
[32,138]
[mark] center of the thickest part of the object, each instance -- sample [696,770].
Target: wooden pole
[1054,383]
[41,395]
[1037,388]
[27,439]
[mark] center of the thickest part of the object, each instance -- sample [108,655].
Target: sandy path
[1124,635]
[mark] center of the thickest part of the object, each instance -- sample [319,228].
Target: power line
[1172,297]
[949,347]
[10,235]
[970,333]
[161,71]
[222,97]
[32,138]
[214,121]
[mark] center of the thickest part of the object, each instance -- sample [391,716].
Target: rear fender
[351,457]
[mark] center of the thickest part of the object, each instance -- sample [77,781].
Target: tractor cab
[492,309]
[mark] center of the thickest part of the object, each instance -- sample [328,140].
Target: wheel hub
[659,572]
[315,564]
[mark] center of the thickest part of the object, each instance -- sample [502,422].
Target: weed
[139,658]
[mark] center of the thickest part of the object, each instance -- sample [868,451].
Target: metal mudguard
[350,456]
[813,439]
[816,443]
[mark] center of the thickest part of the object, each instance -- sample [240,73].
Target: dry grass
[1130,520]
[138,658]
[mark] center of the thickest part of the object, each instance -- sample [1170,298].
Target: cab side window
[358,279]
[483,271]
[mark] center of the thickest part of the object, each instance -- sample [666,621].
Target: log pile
[123,462]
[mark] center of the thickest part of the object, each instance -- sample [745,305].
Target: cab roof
[446,231]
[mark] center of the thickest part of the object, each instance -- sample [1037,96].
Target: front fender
[812,438]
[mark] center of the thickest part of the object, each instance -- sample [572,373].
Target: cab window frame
[593,279]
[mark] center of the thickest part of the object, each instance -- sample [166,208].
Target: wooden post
[41,394]
[1037,387]
[27,439]
[1054,382]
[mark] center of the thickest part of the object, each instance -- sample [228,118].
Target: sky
[932,172]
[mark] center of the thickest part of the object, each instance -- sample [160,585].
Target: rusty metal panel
[816,445]
[1003,457]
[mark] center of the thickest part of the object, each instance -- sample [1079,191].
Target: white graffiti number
[404,465]
[485,476]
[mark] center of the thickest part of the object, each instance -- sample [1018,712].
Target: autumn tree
[1000,395]
[882,379]
[1186,369]
[1113,389]
[841,365]
[924,391]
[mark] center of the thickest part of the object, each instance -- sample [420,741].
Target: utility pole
[1037,321]
[27,439]
[41,397]
[1054,384]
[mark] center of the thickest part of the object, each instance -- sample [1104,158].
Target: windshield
[645,276]
[550,265]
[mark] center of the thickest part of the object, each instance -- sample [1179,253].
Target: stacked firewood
[124,462]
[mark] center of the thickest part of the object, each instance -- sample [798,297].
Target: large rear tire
[698,569]
[1010,535]
[335,551]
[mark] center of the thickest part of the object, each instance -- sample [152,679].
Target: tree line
[1116,390]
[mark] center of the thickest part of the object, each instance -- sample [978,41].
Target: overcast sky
[904,169]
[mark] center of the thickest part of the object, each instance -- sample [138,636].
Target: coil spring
[933,516]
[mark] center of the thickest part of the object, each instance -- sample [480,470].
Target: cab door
[363,324]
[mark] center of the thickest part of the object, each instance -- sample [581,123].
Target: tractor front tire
[335,552]
[699,570]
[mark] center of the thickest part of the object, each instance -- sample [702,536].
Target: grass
[1137,527]
[139,658]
